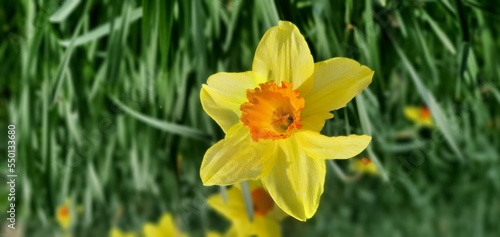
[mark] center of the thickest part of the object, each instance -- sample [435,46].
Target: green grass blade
[166,16]
[223,193]
[440,33]
[63,67]
[431,102]
[245,189]
[64,11]
[95,184]
[165,126]
[367,129]
[103,30]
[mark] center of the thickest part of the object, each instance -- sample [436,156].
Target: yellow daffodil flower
[272,117]
[64,214]
[419,115]
[115,232]
[265,213]
[365,165]
[165,227]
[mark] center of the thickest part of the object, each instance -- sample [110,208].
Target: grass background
[105,98]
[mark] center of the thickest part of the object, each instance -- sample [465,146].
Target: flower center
[366,161]
[262,202]
[64,212]
[425,112]
[272,112]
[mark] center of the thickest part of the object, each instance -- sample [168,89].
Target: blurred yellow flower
[365,165]
[272,117]
[165,227]
[115,232]
[231,232]
[419,115]
[213,234]
[63,214]
[266,214]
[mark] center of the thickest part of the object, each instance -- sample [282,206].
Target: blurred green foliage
[105,97]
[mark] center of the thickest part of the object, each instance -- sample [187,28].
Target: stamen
[425,112]
[272,112]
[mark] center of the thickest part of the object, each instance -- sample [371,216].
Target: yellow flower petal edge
[151,230]
[165,227]
[283,105]
[316,122]
[213,234]
[336,82]
[296,182]
[323,147]
[234,206]
[264,222]
[283,55]
[260,226]
[115,232]
[275,213]
[222,96]
[221,165]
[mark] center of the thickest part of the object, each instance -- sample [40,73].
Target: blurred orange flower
[419,115]
[64,214]
[365,165]
[266,214]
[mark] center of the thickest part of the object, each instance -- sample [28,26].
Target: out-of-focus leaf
[102,30]
[166,126]
[431,102]
[64,11]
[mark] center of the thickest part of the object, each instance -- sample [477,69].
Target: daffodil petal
[266,227]
[336,82]
[260,226]
[283,55]
[223,95]
[232,232]
[115,232]
[151,230]
[237,158]
[277,214]
[233,208]
[320,146]
[412,113]
[213,234]
[167,225]
[315,122]
[296,182]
